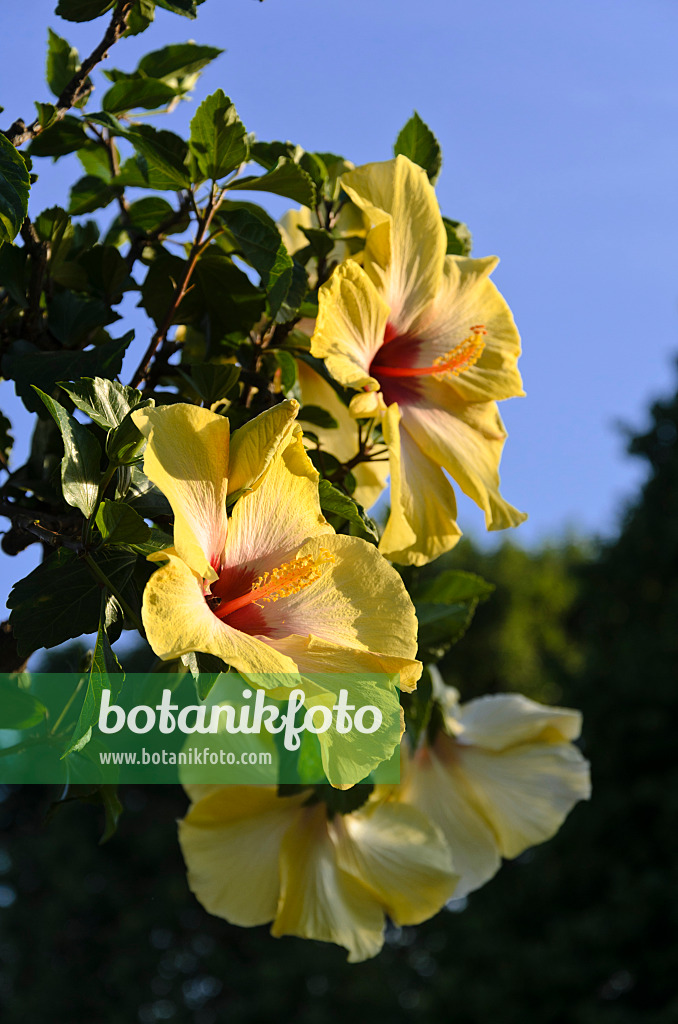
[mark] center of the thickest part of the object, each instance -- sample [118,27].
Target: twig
[197,248]
[19,132]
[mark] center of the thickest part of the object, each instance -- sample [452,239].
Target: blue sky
[557,123]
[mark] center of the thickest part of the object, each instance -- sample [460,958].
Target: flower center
[460,358]
[283,581]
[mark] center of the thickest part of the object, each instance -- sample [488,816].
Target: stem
[197,249]
[105,582]
[67,705]
[105,481]
[31,741]
[18,133]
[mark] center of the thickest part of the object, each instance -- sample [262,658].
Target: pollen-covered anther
[283,581]
[290,577]
[462,356]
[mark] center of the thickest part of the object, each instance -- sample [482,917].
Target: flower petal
[317,899]
[400,854]
[313,655]
[282,513]
[231,842]
[422,523]
[468,298]
[411,276]
[526,792]
[435,785]
[255,444]
[466,439]
[187,458]
[505,719]
[352,318]
[178,620]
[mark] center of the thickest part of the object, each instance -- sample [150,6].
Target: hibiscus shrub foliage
[217,400]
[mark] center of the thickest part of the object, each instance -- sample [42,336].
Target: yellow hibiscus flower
[270,588]
[431,345]
[499,777]
[254,857]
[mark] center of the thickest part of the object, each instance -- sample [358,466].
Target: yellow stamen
[283,581]
[462,356]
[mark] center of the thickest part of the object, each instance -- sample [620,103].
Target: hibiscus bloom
[270,588]
[501,776]
[431,344]
[254,856]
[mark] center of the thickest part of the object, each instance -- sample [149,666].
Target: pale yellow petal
[466,439]
[280,514]
[411,277]
[435,785]
[187,457]
[422,522]
[178,620]
[254,445]
[466,299]
[503,720]
[400,855]
[231,842]
[527,791]
[313,655]
[320,901]
[350,326]
[290,225]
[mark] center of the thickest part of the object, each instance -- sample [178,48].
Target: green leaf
[19,709]
[62,62]
[65,136]
[157,540]
[187,8]
[140,17]
[163,151]
[205,669]
[285,179]
[15,184]
[105,401]
[105,674]
[125,443]
[263,248]
[83,10]
[90,193]
[295,295]
[80,473]
[318,416]
[47,114]
[108,795]
[60,599]
[320,241]
[417,706]
[120,524]
[145,497]
[287,368]
[218,137]
[417,141]
[28,365]
[13,260]
[459,241]
[147,93]
[73,319]
[337,503]
[177,61]
[54,226]
[212,381]
[445,607]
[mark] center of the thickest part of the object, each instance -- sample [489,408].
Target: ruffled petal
[178,620]
[404,252]
[400,855]
[231,840]
[527,791]
[466,439]
[187,458]
[320,901]
[282,513]
[254,445]
[466,299]
[313,655]
[422,523]
[435,785]
[505,719]
[352,318]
